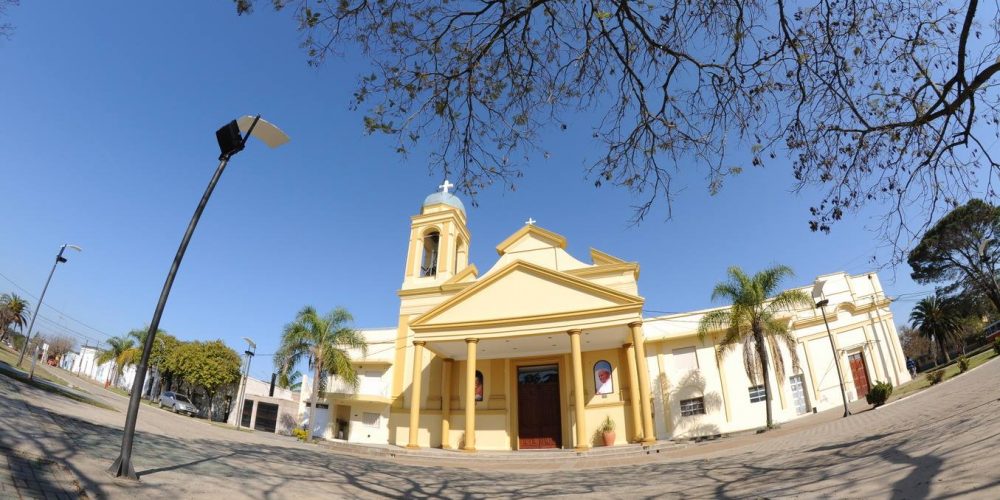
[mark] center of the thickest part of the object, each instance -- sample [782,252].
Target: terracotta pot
[609,438]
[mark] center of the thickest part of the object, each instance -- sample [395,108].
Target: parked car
[179,403]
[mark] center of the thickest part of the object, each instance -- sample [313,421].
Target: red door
[860,373]
[538,419]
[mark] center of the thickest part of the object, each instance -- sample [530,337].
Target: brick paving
[940,443]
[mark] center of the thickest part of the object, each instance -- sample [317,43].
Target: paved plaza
[940,443]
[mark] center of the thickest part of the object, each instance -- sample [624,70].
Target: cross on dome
[446,186]
[530,221]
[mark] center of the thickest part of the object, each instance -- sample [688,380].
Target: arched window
[428,265]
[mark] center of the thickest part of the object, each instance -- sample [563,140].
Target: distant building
[265,408]
[84,364]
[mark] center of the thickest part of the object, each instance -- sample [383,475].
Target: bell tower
[439,241]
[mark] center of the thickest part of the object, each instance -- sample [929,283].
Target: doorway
[538,417]
[860,373]
[797,382]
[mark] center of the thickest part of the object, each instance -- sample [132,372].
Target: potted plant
[607,430]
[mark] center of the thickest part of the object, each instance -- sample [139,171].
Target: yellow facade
[519,317]
[542,348]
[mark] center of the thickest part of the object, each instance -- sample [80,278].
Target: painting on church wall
[602,378]
[479,385]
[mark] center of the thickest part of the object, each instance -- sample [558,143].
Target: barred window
[757,393]
[694,406]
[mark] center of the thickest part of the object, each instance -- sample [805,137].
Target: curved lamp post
[59,260]
[251,348]
[231,141]
[821,303]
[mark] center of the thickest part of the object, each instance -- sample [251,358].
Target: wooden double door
[860,373]
[539,423]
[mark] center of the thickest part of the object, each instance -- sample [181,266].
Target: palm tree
[133,354]
[935,319]
[752,322]
[291,381]
[13,311]
[324,342]
[117,351]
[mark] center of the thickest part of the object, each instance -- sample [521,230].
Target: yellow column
[446,402]
[633,393]
[470,395]
[578,409]
[648,435]
[418,368]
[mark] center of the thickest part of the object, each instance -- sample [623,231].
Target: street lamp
[821,304]
[251,348]
[59,259]
[231,141]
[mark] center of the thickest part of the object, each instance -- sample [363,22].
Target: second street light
[59,260]
[821,304]
[231,141]
[251,348]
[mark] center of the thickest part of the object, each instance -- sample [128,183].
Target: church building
[542,348]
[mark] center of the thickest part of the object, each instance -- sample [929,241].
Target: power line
[67,316]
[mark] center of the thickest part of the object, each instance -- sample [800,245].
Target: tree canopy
[949,252]
[875,102]
[209,365]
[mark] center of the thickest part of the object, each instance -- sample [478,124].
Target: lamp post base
[122,469]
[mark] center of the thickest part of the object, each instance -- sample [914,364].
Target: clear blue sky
[107,141]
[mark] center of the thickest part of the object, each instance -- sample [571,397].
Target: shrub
[607,426]
[996,346]
[963,364]
[300,434]
[879,394]
[935,376]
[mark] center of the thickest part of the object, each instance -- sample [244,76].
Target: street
[939,443]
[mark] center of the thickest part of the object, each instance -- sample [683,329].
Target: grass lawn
[8,370]
[40,371]
[920,382]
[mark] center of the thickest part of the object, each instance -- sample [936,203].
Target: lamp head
[822,303]
[817,291]
[251,343]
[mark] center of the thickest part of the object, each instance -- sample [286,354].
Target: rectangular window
[685,359]
[370,419]
[757,394]
[694,406]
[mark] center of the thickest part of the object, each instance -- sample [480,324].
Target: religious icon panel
[602,378]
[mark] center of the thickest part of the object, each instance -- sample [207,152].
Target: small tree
[752,322]
[59,345]
[936,320]
[116,352]
[13,312]
[324,342]
[208,365]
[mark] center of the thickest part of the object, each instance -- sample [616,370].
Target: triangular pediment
[523,291]
[531,237]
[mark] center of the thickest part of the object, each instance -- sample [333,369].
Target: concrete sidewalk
[938,443]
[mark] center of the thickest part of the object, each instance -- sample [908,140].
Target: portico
[563,360]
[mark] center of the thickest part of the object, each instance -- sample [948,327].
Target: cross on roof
[446,186]
[530,221]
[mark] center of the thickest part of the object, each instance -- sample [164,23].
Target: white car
[179,403]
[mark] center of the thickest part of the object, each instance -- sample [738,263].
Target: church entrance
[538,417]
